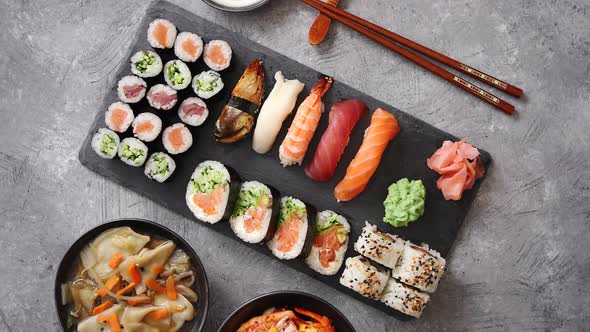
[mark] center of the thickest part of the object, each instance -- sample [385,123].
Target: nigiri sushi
[276,108]
[304,124]
[383,129]
[343,117]
[237,118]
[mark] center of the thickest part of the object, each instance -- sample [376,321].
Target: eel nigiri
[343,117]
[237,118]
[304,124]
[381,131]
[276,108]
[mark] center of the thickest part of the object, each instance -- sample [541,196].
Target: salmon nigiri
[381,131]
[304,124]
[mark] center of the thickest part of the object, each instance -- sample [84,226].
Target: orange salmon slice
[161,34]
[189,47]
[288,233]
[143,126]
[216,55]
[176,139]
[209,203]
[118,117]
[328,244]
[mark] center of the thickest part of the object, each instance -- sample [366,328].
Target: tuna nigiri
[383,129]
[343,117]
[304,124]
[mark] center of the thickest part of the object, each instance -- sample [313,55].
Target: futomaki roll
[159,167]
[208,191]
[420,267]
[131,89]
[294,233]
[403,298]
[161,34]
[119,117]
[146,64]
[364,278]
[207,84]
[162,97]
[105,143]
[133,152]
[177,138]
[193,111]
[177,75]
[329,244]
[147,126]
[217,55]
[254,216]
[381,247]
[188,46]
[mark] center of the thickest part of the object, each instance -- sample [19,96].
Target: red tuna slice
[132,91]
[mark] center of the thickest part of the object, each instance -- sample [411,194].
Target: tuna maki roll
[188,46]
[403,298]
[159,167]
[162,97]
[255,212]
[105,143]
[177,74]
[364,278]
[146,64]
[420,267]
[207,84]
[131,89]
[383,248]
[161,33]
[330,243]
[293,230]
[147,126]
[119,117]
[133,152]
[217,55]
[193,111]
[208,191]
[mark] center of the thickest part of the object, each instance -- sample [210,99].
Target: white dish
[235,5]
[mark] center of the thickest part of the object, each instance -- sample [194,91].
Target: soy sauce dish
[291,310]
[235,5]
[131,274]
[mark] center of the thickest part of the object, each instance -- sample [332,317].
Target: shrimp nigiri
[304,124]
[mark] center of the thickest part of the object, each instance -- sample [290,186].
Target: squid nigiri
[304,124]
[381,131]
[276,108]
[343,117]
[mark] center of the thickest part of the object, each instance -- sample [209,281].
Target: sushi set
[235,137]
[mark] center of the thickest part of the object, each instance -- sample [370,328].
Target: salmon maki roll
[381,131]
[161,34]
[188,46]
[208,191]
[119,117]
[329,244]
[177,138]
[133,152]
[217,55]
[193,111]
[162,97]
[254,216]
[146,64]
[159,167]
[131,89]
[293,232]
[105,143]
[147,126]
[177,75]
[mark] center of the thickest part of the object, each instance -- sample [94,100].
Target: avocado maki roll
[207,84]
[133,152]
[146,64]
[177,74]
[329,244]
[254,216]
[159,167]
[105,143]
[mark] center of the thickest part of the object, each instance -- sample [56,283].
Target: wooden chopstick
[336,14]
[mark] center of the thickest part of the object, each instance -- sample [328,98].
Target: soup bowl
[235,5]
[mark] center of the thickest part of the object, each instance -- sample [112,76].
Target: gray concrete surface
[522,260]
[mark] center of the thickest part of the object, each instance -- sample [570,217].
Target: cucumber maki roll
[133,152]
[105,143]
[159,167]
[254,216]
[177,74]
[146,64]
[330,243]
[207,84]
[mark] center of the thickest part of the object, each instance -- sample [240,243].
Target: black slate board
[405,157]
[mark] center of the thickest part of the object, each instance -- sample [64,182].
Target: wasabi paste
[404,202]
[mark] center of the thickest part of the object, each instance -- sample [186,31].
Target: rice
[162,97]
[420,267]
[250,193]
[193,111]
[217,55]
[156,26]
[177,75]
[133,152]
[404,298]
[105,143]
[297,248]
[119,117]
[147,126]
[313,259]
[177,138]
[207,84]
[184,45]
[146,64]
[208,176]
[381,247]
[364,278]
[131,89]
[159,167]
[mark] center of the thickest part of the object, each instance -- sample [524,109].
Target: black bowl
[288,299]
[147,227]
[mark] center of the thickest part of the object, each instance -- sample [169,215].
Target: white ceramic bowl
[235,5]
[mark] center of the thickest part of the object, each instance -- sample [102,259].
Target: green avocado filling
[108,145]
[161,166]
[249,199]
[145,62]
[332,221]
[133,154]
[288,207]
[207,85]
[404,202]
[207,181]
[174,74]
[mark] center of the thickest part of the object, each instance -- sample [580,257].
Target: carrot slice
[109,285]
[159,314]
[112,320]
[127,289]
[325,321]
[140,301]
[115,260]
[157,268]
[152,284]
[171,288]
[134,273]
[101,307]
